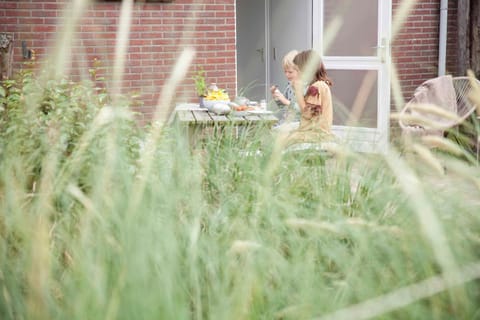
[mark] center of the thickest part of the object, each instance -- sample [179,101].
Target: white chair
[435,123]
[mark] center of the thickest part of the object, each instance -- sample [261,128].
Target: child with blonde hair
[286,102]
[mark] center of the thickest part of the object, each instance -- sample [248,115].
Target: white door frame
[360,138]
[364,139]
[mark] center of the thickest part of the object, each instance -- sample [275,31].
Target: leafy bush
[41,116]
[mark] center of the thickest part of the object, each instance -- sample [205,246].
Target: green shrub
[41,116]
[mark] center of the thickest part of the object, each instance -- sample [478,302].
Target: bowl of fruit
[214,96]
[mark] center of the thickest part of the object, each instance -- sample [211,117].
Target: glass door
[251,48]
[290,29]
[353,37]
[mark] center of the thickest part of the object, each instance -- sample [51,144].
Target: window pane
[357,35]
[354,97]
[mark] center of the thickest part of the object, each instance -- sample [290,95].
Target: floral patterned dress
[316,119]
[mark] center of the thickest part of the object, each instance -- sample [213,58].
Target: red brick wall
[158,34]
[161,30]
[415,47]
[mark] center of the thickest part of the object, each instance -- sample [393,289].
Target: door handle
[381,50]
[261,52]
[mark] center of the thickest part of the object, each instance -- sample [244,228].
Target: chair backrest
[465,106]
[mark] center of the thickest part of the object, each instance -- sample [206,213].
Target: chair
[415,120]
[463,88]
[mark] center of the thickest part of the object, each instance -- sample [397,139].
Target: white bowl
[221,108]
[210,103]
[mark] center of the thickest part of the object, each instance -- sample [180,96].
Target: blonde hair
[287,61]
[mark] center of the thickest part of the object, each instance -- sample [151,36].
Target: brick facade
[159,31]
[415,47]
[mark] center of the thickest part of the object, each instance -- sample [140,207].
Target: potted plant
[200,84]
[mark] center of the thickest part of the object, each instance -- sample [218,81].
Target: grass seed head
[429,158]
[244,246]
[442,144]
[303,224]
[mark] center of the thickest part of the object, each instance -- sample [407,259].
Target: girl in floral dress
[315,101]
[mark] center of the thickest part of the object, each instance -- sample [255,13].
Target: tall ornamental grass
[100,219]
[223,231]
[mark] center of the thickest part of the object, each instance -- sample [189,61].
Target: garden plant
[101,218]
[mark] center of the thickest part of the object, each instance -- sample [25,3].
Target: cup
[263,105]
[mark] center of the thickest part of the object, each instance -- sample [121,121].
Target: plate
[259,111]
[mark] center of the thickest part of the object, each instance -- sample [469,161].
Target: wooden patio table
[201,123]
